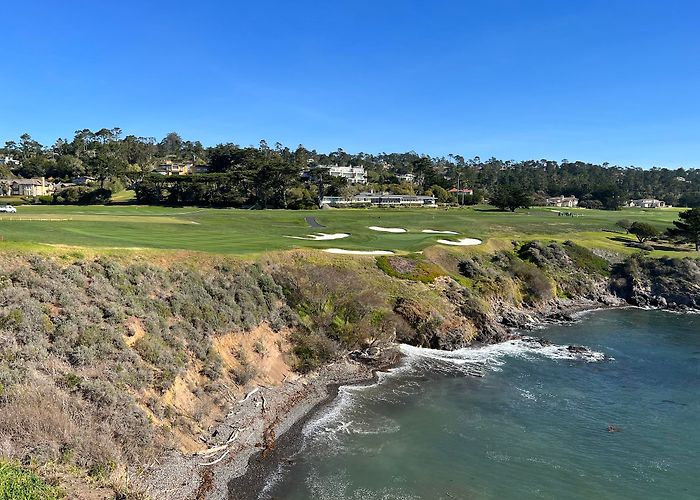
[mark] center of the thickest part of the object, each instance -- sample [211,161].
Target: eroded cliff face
[666,283]
[492,295]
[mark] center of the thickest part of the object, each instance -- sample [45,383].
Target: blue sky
[615,81]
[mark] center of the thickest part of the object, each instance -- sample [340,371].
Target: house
[61,186]
[173,169]
[647,203]
[83,180]
[379,200]
[408,177]
[200,169]
[8,160]
[354,174]
[461,191]
[562,201]
[25,187]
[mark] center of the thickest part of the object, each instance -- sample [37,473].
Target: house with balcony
[353,174]
[25,187]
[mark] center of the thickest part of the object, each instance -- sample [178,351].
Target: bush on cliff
[18,483]
[87,345]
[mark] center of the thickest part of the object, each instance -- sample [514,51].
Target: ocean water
[534,426]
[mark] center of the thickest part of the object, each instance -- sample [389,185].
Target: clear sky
[615,81]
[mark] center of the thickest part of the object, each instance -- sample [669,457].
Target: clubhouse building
[379,200]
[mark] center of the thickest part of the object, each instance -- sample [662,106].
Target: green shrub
[312,350]
[212,364]
[244,374]
[535,284]
[18,483]
[587,260]
[409,268]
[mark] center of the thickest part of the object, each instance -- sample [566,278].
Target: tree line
[276,176]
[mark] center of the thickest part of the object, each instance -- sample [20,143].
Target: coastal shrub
[536,285]
[169,363]
[19,483]
[244,373]
[85,341]
[409,268]
[211,367]
[99,392]
[586,260]
[311,350]
[471,267]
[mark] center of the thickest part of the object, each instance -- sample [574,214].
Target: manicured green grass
[18,483]
[246,232]
[11,200]
[125,196]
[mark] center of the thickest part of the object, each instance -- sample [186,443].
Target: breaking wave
[476,361]
[470,361]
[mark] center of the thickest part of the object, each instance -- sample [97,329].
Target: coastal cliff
[131,376]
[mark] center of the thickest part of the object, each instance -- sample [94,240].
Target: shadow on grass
[669,248]
[621,239]
[656,246]
[492,210]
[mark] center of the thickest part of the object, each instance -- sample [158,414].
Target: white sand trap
[358,252]
[388,229]
[464,242]
[435,231]
[321,236]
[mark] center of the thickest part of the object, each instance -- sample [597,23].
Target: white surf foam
[335,420]
[493,356]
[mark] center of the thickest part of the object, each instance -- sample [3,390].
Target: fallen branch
[249,395]
[232,437]
[223,455]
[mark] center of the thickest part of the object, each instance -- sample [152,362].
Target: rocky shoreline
[268,423]
[263,464]
[262,467]
[260,430]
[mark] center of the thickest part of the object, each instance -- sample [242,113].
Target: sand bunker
[358,252]
[435,231]
[320,236]
[388,229]
[464,242]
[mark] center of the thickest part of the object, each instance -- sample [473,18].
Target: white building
[562,201]
[379,200]
[8,160]
[173,169]
[409,177]
[354,174]
[647,203]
